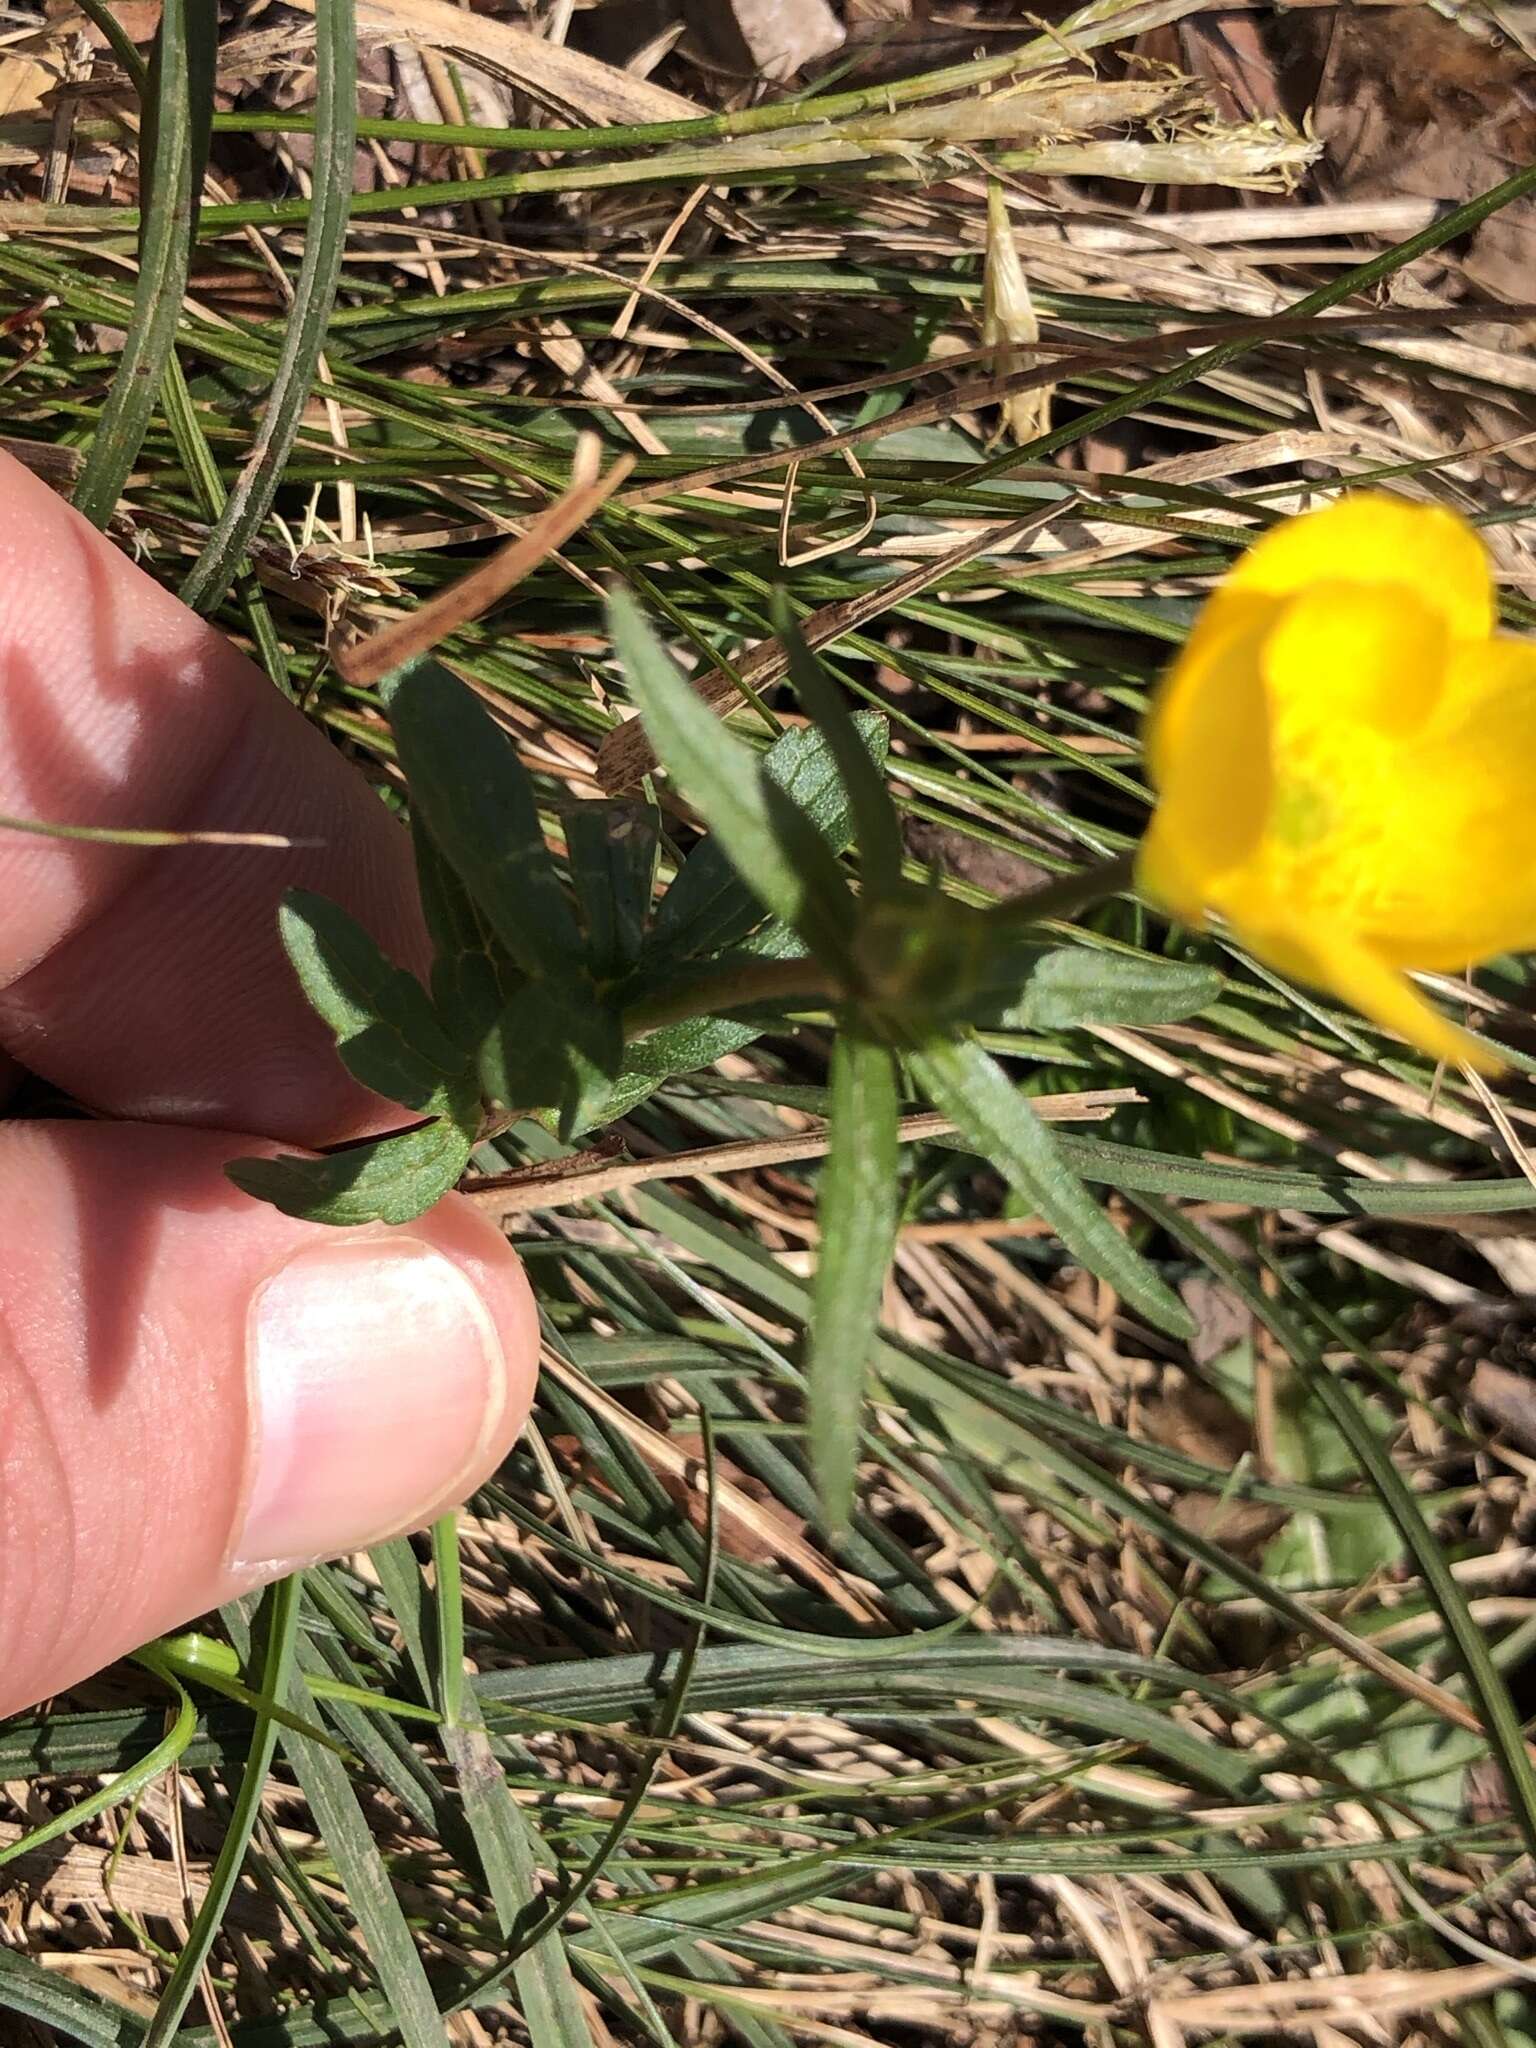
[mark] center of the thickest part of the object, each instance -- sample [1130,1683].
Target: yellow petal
[1455,856]
[1368,537]
[1388,998]
[1341,964]
[1166,881]
[1343,652]
[1208,753]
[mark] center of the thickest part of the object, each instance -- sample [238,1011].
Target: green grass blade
[276,1677]
[448,1607]
[327,1786]
[314,296]
[73,2013]
[1485,1681]
[546,1991]
[856,1214]
[132,1782]
[176,135]
[991,1114]
[1342,1405]
[198,461]
[665,1726]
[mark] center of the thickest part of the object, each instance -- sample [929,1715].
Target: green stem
[787,982]
[1068,894]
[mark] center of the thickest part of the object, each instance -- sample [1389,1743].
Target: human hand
[196,1392]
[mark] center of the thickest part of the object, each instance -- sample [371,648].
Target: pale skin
[196,1393]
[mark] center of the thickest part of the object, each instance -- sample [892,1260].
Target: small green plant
[572,999]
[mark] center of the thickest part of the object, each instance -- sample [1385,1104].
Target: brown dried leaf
[548,71]
[1508,1399]
[765,38]
[1407,102]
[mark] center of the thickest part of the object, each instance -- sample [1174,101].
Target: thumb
[198,1393]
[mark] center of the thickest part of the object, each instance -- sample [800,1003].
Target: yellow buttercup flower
[1344,756]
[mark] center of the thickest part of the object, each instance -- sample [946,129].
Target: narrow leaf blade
[856,1213]
[990,1113]
[877,828]
[364,1875]
[773,846]
[548,2003]
[314,295]
[176,137]
[1075,985]
[479,807]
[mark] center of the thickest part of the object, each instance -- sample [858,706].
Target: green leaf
[120,1790]
[365,1879]
[507,1839]
[877,827]
[708,906]
[1138,1169]
[773,845]
[176,117]
[478,804]
[1070,986]
[554,1046]
[969,1086]
[697,1041]
[74,2014]
[856,1212]
[387,1031]
[390,1180]
[612,849]
[283,1601]
[332,172]
[471,974]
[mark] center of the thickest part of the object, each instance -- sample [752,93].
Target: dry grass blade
[545,1187]
[1346,2001]
[472,595]
[544,68]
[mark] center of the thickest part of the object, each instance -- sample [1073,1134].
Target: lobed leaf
[391,1180]
[387,1031]
[554,1045]
[708,906]
[612,851]
[477,803]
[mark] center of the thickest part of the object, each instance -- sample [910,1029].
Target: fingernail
[376,1378]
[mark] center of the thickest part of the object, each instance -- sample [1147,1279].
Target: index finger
[150,982]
